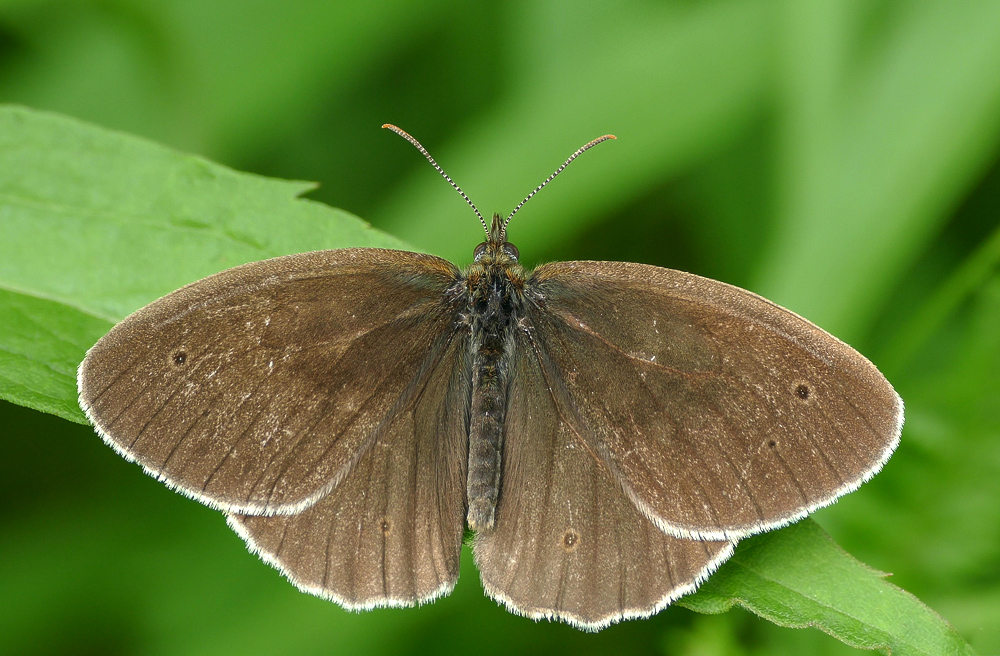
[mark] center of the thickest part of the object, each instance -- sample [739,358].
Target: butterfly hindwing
[567,542]
[390,533]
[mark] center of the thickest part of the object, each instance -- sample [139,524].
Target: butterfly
[608,430]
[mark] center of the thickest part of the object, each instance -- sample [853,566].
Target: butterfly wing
[390,534]
[720,413]
[567,542]
[256,389]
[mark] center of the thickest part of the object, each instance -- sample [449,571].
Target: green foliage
[837,157]
[40,346]
[798,577]
[100,186]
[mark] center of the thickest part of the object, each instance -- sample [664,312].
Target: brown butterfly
[607,429]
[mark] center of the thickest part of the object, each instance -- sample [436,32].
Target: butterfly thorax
[495,293]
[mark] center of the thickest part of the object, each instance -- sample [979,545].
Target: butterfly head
[496,249]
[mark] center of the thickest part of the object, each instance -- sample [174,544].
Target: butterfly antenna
[406,135]
[559,170]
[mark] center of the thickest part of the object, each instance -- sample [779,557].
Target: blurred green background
[838,157]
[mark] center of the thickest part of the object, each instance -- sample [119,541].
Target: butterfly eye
[511,251]
[479,252]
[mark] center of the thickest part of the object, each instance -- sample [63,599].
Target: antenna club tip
[607,136]
[403,133]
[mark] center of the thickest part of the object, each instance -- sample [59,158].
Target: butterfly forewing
[254,389]
[390,533]
[567,542]
[720,413]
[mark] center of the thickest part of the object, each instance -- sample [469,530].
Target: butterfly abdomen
[496,303]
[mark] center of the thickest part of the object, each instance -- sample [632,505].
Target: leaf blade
[796,577]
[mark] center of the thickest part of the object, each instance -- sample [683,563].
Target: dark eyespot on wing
[570,539]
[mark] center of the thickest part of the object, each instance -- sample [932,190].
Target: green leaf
[95,224]
[798,577]
[41,343]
